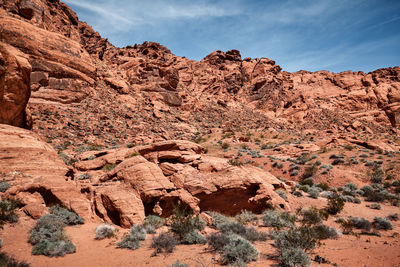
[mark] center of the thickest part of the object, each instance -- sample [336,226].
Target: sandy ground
[348,250]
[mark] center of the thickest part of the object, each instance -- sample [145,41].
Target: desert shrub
[193,237]
[217,241]
[4,185]
[84,176]
[48,237]
[153,222]
[367,190]
[346,225]
[304,188]
[350,199]
[334,156]
[396,183]
[375,206]
[297,194]
[360,223]
[313,192]
[109,166]
[57,248]
[218,218]
[322,232]
[307,181]
[138,232]
[246,217]
[351,186]
[129,242]
[356,200]
[238,251]
[178,264]
[48,227]
[323,186]
[393,217]
[310,171]
[183,222]
[66,216]
[335,205]
[293,257]
[253,235]
[382,224]
[377,175]
[338,161]
[224,146]
[164,242]
[7,211]
[149,229]
[294,173]
[232,227]
[272,218]
[313,216]
[104,231]
[327,194]
[282,194]
[376,196]
[298,237]
[8,261]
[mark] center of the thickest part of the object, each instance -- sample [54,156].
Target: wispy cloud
[309,34]
[137,13]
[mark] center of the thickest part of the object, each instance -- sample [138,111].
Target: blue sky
[334,35]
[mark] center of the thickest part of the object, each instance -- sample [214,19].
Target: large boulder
[15,90]
[32,166]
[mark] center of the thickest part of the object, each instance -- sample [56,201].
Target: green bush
[58,248]
[382,224]
[193,237]
[272,218]
[164,242]
[335,205]
[7,211]
[48,227]
[48,237]
[322,232]
[375,206]
[282,194]
[217,241]
[246,217]
[298,237]
[313,216]
[129,242]
[360,223]
[238,251]
[104,231]
[253,235]
[154,221]
[218,218]
[7,261]
[4,185]
[109,166]
[313,193]
[138,232]
[393,217]
[294,257]
[66,216]
[184,222]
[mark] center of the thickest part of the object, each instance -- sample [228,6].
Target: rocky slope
[83,89]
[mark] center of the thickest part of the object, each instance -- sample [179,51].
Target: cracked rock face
[145,180]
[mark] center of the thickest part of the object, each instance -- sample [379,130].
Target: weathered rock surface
[15,90]
[31,166]
[152,179]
